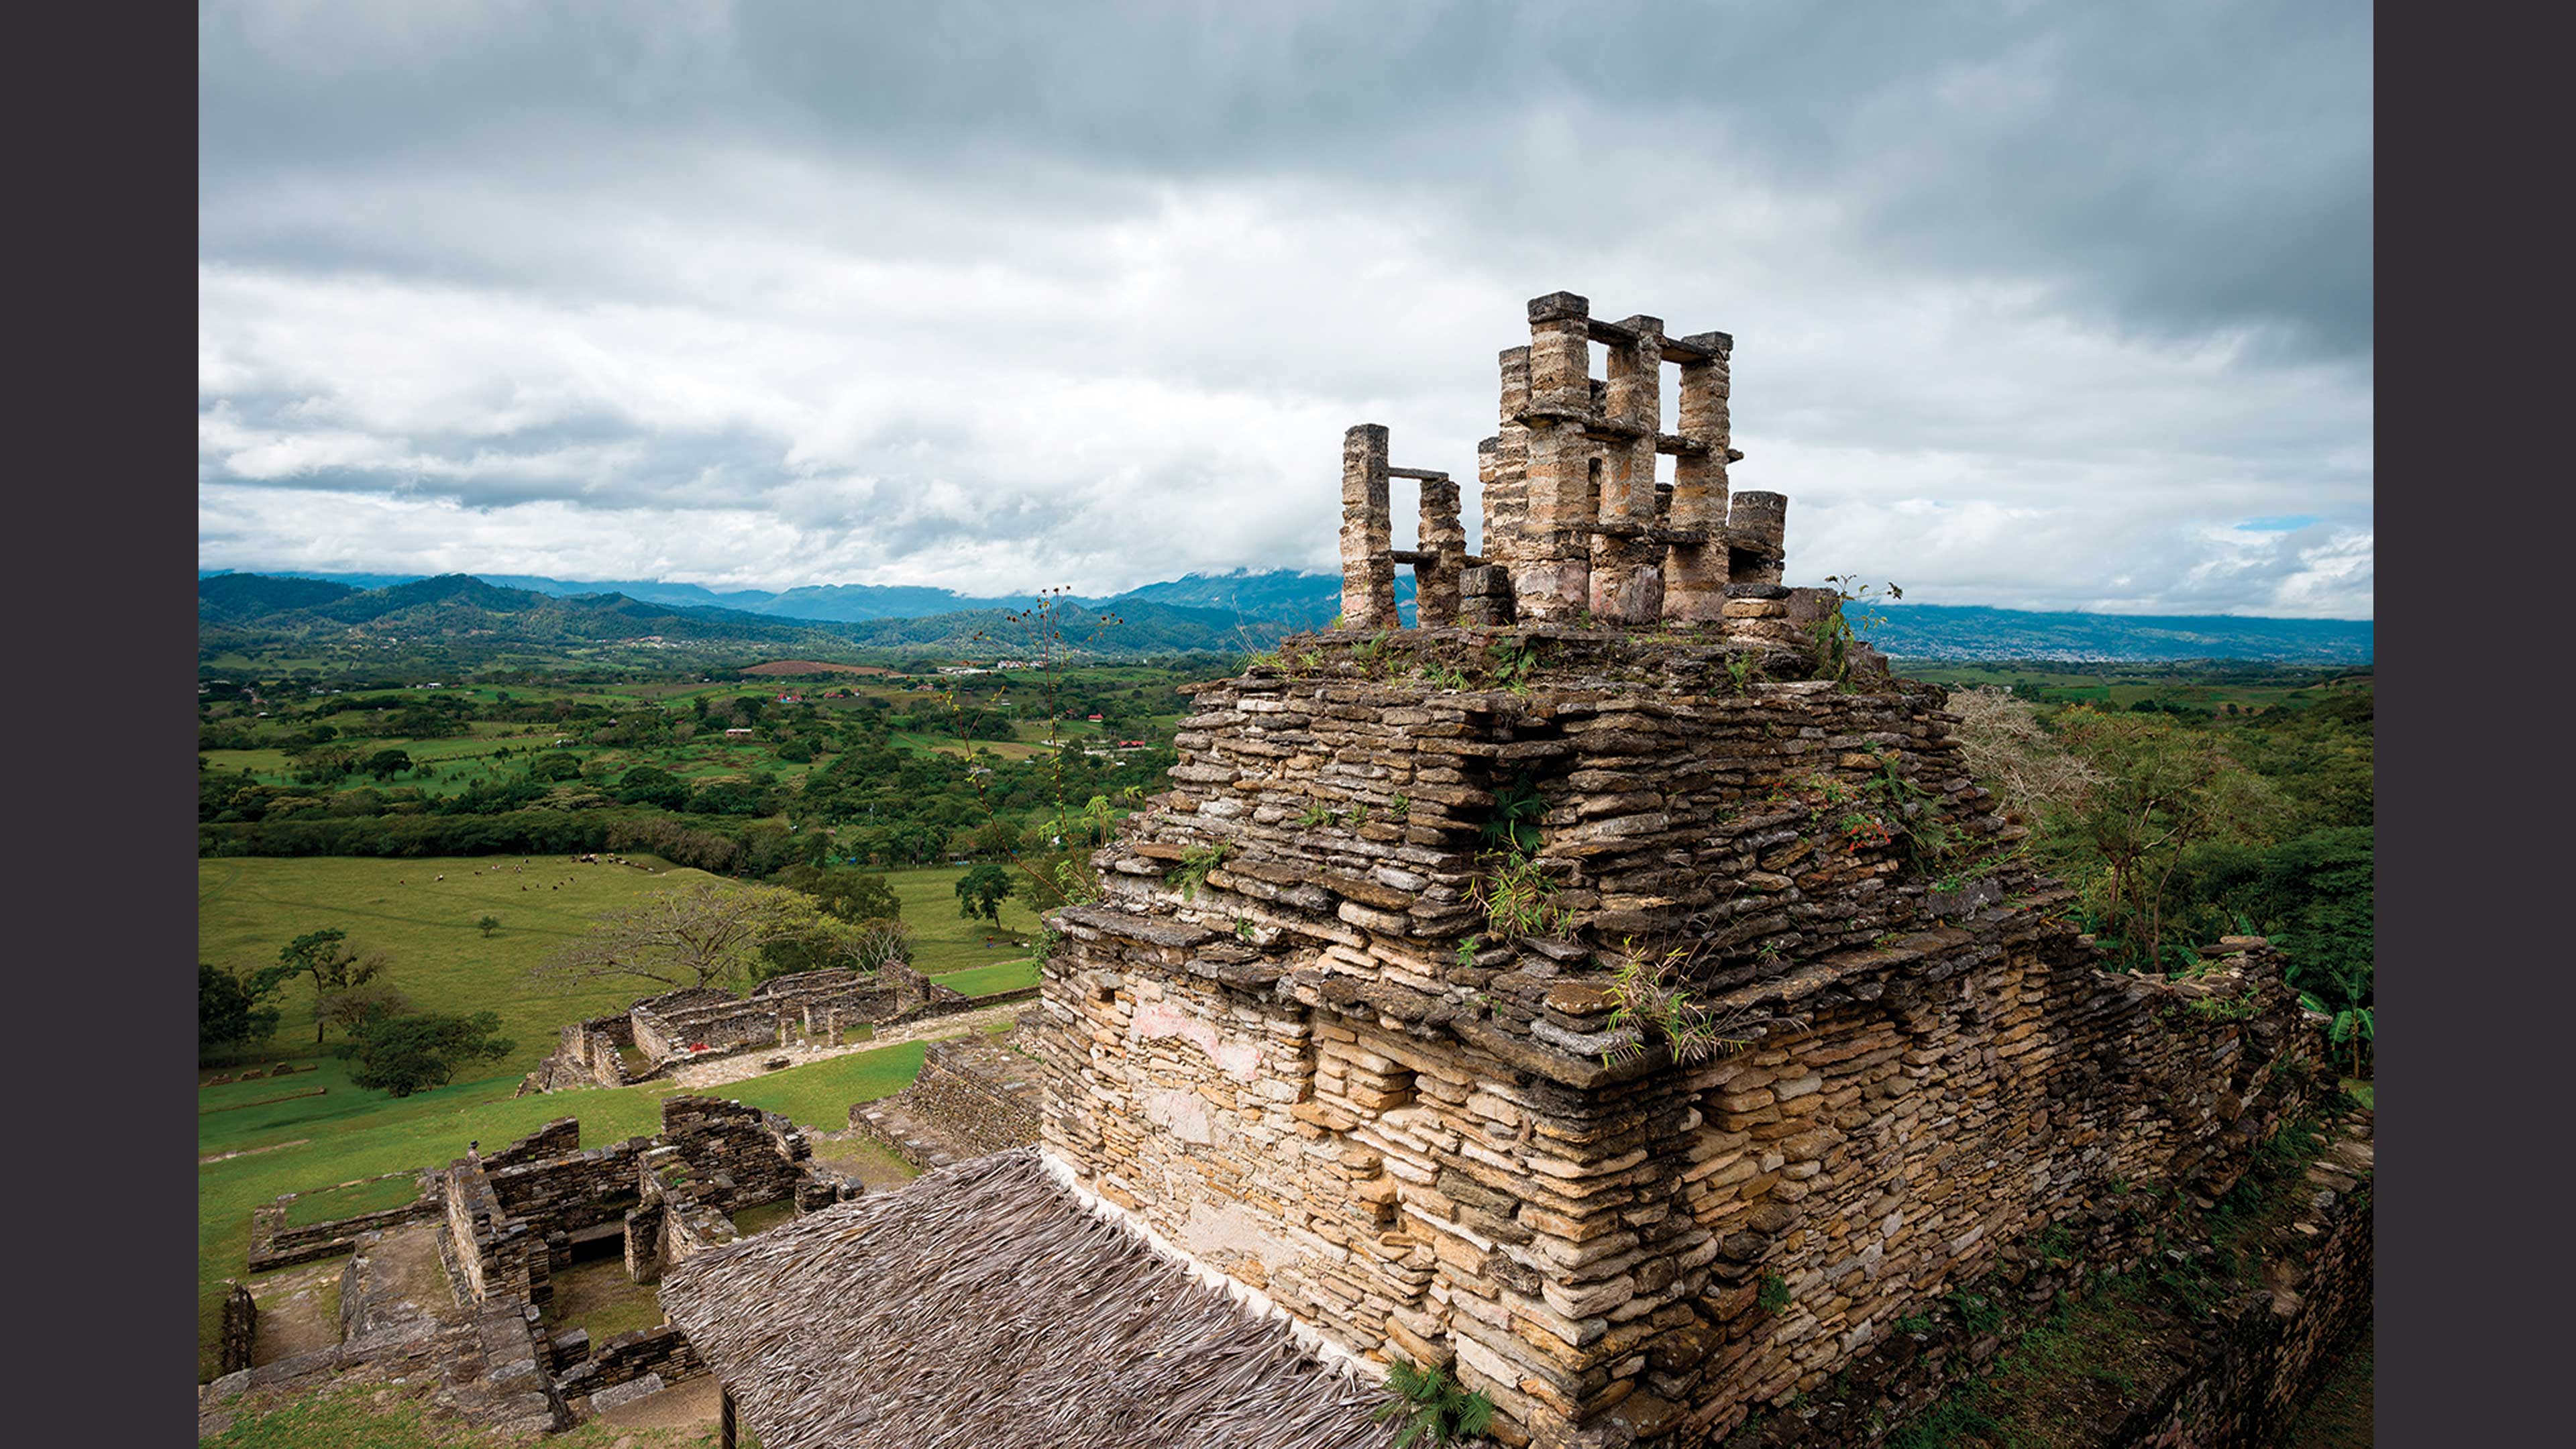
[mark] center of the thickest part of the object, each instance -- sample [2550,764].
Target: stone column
[1695,575]
[1368,534]
[1435,584]
[1756,526]
[1552,577]
[1504,468]
[1628,569]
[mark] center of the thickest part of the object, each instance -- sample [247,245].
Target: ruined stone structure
[1375,1013]
[699,1023]
[1614,990]
[502,1224]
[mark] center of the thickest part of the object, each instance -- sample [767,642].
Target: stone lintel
[1420,475]
[1557,306]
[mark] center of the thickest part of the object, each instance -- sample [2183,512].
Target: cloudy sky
[2043,306]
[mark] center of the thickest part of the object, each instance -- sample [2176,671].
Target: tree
[229,1013]
[488,925]
[407,1054]
[555,765]
[699,934]
[352,1009]
[981,891]
[996,839]
[649,785]
[849,895]
[325,957]
[385,764]
[2164,789]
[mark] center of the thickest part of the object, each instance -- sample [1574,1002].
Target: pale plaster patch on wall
[1239,1060]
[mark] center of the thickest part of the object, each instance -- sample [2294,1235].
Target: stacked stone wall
[1574,1249]
[983,1094]
[555,1139]
[814,1005]
[738,1156]
[661,1350]
[240,1330]
[570,1192]
[587,1054]
[496,1257]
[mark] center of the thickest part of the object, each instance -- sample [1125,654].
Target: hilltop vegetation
[2187,805]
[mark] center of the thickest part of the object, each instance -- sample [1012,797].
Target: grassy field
[993,980]
[249,906]
[818,1097]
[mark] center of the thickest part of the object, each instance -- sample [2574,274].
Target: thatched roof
[985,1307]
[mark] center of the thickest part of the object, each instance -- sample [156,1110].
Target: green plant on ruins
[1518,807]
[1371,656]
[1773,1295]
[1518,897]
[2352,1023]
[1834,635]
[1195,866]
[1508,663]
[1743,671]
[1430,1408]
[1652,1001]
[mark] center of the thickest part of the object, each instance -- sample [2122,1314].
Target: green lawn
[333,1203]
[335,1418]
[249,906]
[945,943]
[818,1097]
[992,980]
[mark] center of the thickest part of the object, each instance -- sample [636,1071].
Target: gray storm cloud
[2034,305]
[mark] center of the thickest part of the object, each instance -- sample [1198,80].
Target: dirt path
[861,1156]
[299,1311]
[700,1075]
[253,1151]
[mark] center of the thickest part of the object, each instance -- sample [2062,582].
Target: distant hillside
[247,596]
[1937,631]
[1277,595]
[462,621]
[456,623]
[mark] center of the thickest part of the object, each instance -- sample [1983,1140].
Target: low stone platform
[975,1096]
[403,1325]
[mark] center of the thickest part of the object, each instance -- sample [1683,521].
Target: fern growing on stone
[1431,1409]
[1195,865]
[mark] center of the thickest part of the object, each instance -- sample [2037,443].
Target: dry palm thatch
[983,1307]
